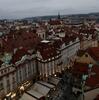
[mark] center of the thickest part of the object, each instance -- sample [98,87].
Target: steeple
[58,15]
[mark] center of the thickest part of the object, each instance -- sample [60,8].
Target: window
[13,79]
[43,35]
[20,78]
[86,55]
[5,70]
[7,76]
[2,72]
[8,85]
[8,69]
[13,73]
[1,86]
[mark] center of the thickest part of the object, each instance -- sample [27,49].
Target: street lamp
[55,75]
[84,77]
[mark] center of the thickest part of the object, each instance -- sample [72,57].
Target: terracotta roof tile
[94,53]
[93,81]
[80,68]
[47,51]
[97,97]
[25,39]
[19,54]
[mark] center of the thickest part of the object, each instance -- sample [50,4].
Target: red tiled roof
[57,43]
[97,98]
[19,54]
[47,51]
[80,68]
[28,40]
[69,37]
[95,69]
[93,81]
[8,44]
[21,39]
[94,53]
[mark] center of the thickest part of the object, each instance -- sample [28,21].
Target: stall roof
[54,80]
[46,84]
[41,89]
[27,97]
[35,94]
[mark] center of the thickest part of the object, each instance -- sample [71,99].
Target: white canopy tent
[47,84]
[27,97]
[38,91]
[54,80]
[35,94]
[41,89]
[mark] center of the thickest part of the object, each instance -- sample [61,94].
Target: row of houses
[43,90]
[86,73]
[25,58]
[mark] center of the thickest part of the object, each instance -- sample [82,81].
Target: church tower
[59,15]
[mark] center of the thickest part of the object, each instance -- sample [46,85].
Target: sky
[30,8]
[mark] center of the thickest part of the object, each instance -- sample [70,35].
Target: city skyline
[31,8]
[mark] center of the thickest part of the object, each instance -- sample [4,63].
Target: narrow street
[65,91]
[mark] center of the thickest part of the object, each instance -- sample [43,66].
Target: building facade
[49,60]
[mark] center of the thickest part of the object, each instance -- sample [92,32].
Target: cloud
[25,8]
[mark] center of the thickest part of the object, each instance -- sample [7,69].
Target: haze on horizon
[30,8]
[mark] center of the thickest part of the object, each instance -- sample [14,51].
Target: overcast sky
[29,8]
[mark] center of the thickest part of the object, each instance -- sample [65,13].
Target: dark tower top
[58,15]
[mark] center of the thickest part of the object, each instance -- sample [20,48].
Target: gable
[86,58]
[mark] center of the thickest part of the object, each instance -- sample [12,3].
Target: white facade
[50,66]
[68,52]
[7,79]
[26,70]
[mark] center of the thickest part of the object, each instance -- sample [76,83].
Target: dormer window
[8,69]
[2,72]
[5,70]
[86,55]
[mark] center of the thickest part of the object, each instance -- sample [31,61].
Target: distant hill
[89,15]
[41,17]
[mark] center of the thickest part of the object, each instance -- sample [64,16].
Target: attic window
[5,70]
[86,55]
[1,72]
